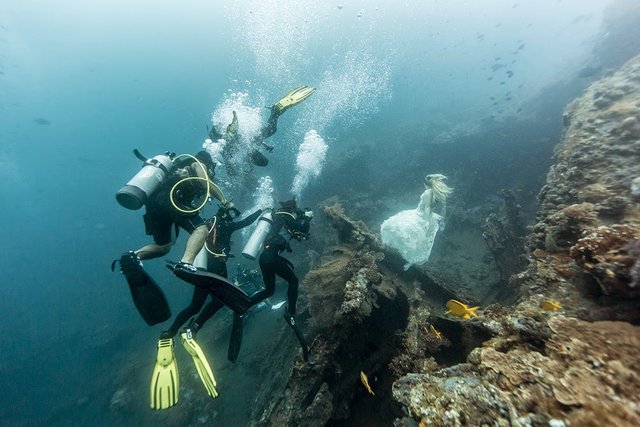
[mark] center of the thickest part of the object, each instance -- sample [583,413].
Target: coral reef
[588,211]
[608,255]
[585,373]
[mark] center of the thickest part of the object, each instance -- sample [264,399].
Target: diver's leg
[194,244]
[272,124]
[284,270]
[153,250]
[161,228]
[268,277]
[195,226]
[197,301]
[216,265]
[207,312]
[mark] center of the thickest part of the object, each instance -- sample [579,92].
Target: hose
[194,178]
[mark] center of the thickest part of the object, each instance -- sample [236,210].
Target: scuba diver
[164,382]
[297,223]
[173,190]
[254,156]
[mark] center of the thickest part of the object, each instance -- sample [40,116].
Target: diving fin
[232,296]
[294,97]
[291,321]
[235,342]
[232,128]
[199,359]
[147,295]
[165,381]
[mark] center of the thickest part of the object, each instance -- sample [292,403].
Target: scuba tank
[138,190]
[201,259]
[254,244]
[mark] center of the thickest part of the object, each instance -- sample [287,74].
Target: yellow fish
[459,309]
[365,382]
[436,332]
[550,305]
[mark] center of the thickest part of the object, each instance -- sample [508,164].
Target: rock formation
[513,365]
[549,368]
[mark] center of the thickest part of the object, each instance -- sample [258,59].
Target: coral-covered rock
[596,163]
[606,256]
[356,307]
[587,371]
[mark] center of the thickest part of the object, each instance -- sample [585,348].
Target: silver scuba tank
[201,259]
[254,244]
[137,191]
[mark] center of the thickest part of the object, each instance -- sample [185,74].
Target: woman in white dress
[412,232]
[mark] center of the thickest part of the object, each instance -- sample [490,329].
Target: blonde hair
[440,189]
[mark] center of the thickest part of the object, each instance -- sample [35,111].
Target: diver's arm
[246,221]
[214,190]
[259,141]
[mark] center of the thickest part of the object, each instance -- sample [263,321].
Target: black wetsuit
[273,264]
[161,215]
[255,156]
[219,242]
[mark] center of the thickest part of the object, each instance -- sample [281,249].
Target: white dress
[412,232]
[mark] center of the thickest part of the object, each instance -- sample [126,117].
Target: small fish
[42,121]
[459,309]
[436,332]
[365,383]
[550,305]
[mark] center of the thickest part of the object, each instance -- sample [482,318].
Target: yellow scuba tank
[139,188]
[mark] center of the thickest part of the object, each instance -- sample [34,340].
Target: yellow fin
[365,382]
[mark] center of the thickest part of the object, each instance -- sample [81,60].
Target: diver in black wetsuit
[255,157]
[272,264]
[218,245]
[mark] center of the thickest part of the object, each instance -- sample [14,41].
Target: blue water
[83,83]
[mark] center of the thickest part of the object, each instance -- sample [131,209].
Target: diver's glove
[298,235]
